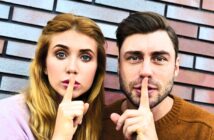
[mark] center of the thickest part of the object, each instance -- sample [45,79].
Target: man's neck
[162,108]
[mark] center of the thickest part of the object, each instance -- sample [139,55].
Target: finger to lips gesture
[144,107]
[138,121]
[69,115]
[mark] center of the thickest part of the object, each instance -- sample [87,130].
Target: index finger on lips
[144,98]
[69,91]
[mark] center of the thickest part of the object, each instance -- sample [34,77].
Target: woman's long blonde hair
[42,100]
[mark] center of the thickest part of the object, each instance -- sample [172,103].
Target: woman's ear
[45,71]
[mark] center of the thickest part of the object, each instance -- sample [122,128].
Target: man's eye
[160,59]
[60,54]
[134,59]
[86,58]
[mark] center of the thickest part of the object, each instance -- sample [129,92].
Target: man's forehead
[152,42]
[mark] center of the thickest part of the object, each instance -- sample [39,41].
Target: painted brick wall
[21,22]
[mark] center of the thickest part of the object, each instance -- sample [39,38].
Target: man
[148,64]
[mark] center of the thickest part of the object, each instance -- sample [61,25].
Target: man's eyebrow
[133,52]
[162,52]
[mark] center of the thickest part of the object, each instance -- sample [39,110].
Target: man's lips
[151,88]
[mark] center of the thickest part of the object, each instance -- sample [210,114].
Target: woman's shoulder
[14,104]
[13,100]
[14,118]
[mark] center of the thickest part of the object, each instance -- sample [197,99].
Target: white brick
[19,31]
[12,66]
[13,84]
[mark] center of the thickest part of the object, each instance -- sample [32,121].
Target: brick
[12,66]
[191,3]
[108,30]
[1,46]
[112,64]
[5,9]
[111,97]
[209,108]
[193,46]
[207,33]
[195,78]
[135,5]
[182,91]
[20,49]
[13,84]
[34,17]
[184,29]
[3,96]
[19,31]
[95,12]
[111,81]
[205,96]
[190,15]
[112,48]
[186,60]
[208,5]
[203,63]
[41,4]
[87,0]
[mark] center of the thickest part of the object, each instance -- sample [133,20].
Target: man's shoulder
[192,113]
[113,107]
[108,131]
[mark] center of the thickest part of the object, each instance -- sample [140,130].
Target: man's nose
[146,69]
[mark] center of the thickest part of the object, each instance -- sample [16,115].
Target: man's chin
[134,102]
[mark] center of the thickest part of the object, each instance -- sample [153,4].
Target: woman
[65,96]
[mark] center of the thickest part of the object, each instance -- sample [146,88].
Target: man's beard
[161,96]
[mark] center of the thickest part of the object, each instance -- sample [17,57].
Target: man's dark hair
[143,23]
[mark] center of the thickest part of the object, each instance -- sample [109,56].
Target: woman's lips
[76,85]
[66,82]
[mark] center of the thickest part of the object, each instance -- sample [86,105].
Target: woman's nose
[72,67]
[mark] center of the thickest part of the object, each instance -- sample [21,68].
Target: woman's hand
[69,115]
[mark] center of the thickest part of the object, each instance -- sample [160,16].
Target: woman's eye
[60,54]
[86,58]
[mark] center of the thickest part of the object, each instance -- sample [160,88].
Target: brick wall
[21,22]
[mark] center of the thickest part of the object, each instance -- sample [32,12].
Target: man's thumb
[115,117]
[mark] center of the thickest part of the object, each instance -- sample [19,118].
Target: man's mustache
[139,81]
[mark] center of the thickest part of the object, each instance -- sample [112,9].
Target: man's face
[148,55]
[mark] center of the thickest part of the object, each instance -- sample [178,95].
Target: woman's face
[71,54]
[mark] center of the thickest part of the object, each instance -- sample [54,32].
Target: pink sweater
[14,117]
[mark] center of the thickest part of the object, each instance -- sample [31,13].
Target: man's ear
[177,65]
[118,65]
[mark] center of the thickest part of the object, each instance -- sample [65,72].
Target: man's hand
[69,116]
[140,121]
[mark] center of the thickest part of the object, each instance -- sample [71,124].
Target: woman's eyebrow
[86,50]
[61,46]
